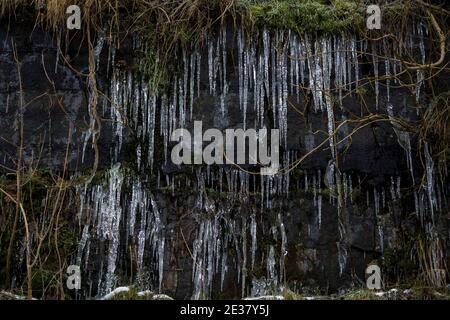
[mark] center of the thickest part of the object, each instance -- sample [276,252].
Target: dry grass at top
[53,12]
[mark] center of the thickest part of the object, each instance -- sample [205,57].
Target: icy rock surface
[198,232]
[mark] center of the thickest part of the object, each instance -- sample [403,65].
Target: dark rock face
[53,99]
[55,113]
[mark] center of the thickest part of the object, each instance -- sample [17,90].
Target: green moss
[305,15]
[398,265]
[428,293]
[361,91]
[362,294]
[290,295]
[132,294]
[39,193]
[414,293]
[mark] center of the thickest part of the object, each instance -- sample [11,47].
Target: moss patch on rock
[305,15]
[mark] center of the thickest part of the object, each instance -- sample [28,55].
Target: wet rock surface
[296,240]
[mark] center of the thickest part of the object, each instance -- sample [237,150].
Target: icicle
[160,262]
[158,241]
[420,73]
[82,243]
[151,129]
[381,238]
[165,126]
[139,202]
[375,71]
[136,203]
[254,240]
[98,48]
[330,178]
[291,67]
[302,53]
[116,112]
[181,104]
[345,187]
[420,80]
[319,210]
[355,60]
[273,75]
[282,96]
[191,84]
[224,267]
[58,49]
[107,209]
[198,64]
[111,55]
[245,84]
[430,184]
[392,189]
[388,81]
[316,64]
[338,67]
[138,157]
[243,269]
[224,55]
[283,248]
[326,80]
[271,271]
[350,188]
[376,201]
[342,259]
[240,66]
[295,66]
[409,155]
[421,42]
[211,67]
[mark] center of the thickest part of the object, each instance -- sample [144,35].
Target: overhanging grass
[305,15]
[300,15]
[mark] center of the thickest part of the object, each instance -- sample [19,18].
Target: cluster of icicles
[272,66]
[103,210]
[123,213]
